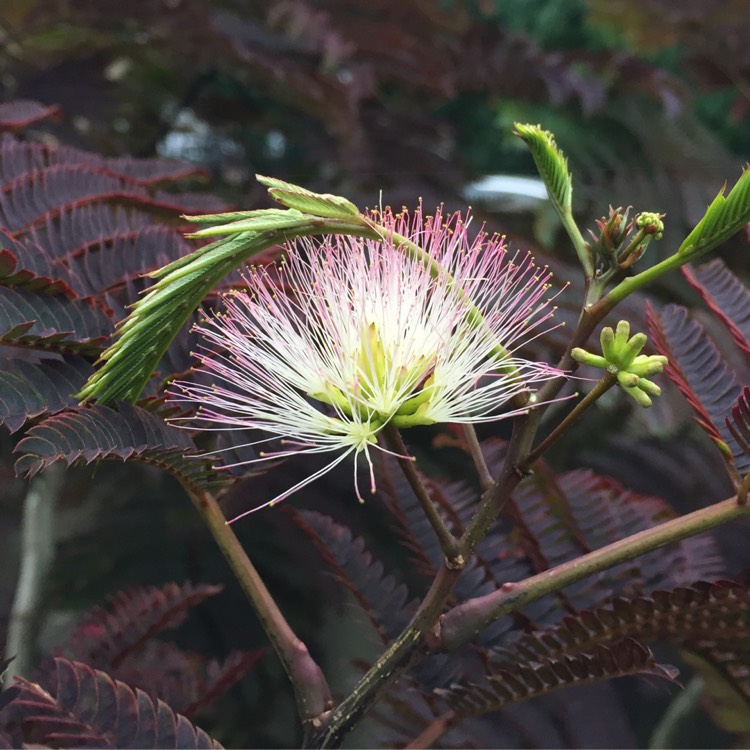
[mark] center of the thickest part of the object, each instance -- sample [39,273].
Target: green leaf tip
[316,204]
[553,169]
[262,220]
[551,163]
[724,217]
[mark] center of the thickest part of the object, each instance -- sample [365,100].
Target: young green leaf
[224,217]
[553,169]
[264,220]
[317,204]
[724,217]
[551,163]
[156,318]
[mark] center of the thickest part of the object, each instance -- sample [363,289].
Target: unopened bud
[621,356]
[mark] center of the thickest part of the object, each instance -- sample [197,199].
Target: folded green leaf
[724,217]
[157,317]
[223,217]
[553,169]
[551,163]
[317,204]
[264,220]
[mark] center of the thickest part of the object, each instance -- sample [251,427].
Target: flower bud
[621,356]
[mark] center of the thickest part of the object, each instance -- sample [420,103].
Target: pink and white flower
[357,333]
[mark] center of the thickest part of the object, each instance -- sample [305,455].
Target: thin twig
[448,542]
[602,386]
[310,687]
[475,449]
[494,499]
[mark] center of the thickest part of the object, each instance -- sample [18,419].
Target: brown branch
[602,386]
[486,479]
[448,542]
[470,617]
[311,690]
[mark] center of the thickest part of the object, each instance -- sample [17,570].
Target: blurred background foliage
[412,98]
[650,99]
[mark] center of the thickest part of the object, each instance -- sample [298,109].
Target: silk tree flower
[353,334]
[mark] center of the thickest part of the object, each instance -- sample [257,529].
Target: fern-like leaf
[706,613]
[702,375]
[186,681]
[738,423]
[36,319]
[73,231]
[28,266]
[522,682]
[20,113]
[724,217]
[726,296]
[48,191]
[28,390]
[121,257]
[109,634]
[218,678]
[380,596]
[99,432]
[87,708]
[157,317]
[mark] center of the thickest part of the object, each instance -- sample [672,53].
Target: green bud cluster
[651,223]
[621,356]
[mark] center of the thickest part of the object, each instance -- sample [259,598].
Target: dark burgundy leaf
[99,432]
[133,617]
[62,324]
[30,389]
[87,708]
[701,373]
[381,597]
[521,682]
[20,113]
[725,295]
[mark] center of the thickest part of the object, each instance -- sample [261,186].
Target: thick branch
[310,687]
[470,617]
